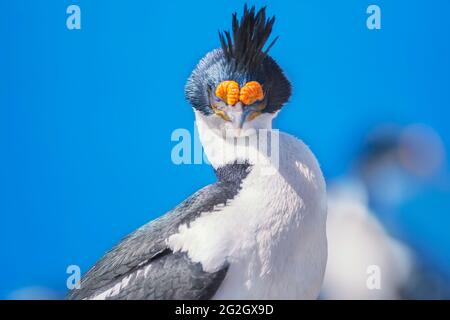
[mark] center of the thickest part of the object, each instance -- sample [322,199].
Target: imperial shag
[259,231]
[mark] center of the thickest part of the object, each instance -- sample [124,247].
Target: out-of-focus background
[86,118]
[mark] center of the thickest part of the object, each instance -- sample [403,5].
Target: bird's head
[239,87]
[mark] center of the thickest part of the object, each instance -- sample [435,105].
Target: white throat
[257,145]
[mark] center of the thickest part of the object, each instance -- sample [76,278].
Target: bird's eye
[217,99]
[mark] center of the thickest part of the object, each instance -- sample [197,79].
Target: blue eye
[217,99]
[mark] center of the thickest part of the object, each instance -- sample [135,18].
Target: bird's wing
[143,267]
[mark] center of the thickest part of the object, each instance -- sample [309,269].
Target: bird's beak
[238,115]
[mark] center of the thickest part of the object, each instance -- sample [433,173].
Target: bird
[364,222]
[258,232]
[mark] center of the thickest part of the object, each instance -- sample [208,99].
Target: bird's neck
[257,149]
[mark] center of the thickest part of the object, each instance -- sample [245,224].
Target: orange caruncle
[251,92]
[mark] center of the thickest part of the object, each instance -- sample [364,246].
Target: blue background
[86,116]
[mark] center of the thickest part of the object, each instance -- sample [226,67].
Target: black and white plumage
[143,267]
[259,231]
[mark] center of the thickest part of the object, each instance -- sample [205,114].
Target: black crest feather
[245,46]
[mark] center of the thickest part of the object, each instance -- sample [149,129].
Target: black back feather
[245,46]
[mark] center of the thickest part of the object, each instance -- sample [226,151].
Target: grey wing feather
[168,275]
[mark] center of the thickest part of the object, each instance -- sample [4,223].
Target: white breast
[272,233]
